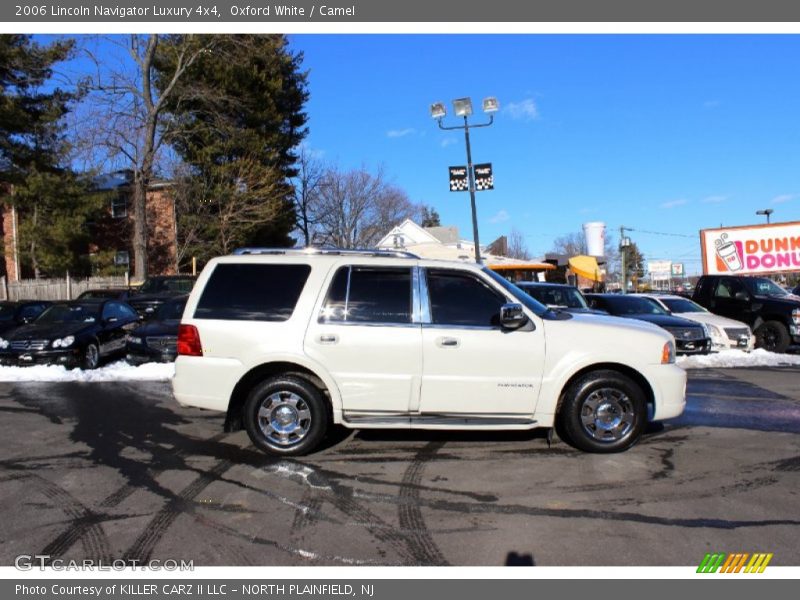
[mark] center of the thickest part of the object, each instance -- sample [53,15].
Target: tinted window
[557,296]
[119,311]
[682,305]
[31,311]
[728,288]
[171,311]
[620,304]
[244,292]
[70,313]
[375,296]
[461,299]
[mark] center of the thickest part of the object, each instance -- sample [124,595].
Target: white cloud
[525,110]
[448,141]
[500,217]
[714,199]
[398,133]
[783,198]
[674,203]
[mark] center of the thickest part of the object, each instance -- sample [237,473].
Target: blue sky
[662,133]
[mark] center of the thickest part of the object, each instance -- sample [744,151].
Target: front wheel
[773,337]
[91,357]
[603,411]
[286,415]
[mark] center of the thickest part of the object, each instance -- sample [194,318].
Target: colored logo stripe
[734,563]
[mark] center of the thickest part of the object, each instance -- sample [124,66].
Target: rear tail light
[668,353]
[189,341]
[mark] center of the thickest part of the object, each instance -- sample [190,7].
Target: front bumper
[69,357]
[668,383]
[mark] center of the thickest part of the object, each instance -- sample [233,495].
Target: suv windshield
[566,296]
[632,305]
[682,305]
[70,313]
[171,311]
[7,312]
[523,298]
[761,286]
[156,285]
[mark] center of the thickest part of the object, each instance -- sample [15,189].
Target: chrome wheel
[91,357]
[607,415]
[284,418]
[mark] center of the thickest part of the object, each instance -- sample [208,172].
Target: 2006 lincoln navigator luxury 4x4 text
[288,342]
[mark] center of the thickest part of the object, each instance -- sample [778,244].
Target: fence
[56,289]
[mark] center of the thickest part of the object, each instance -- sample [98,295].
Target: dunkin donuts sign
[751,249]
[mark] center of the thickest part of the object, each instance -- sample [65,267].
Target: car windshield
[171,311]
[155,286]
[761,286]
[7,312]
[633,305]
[70,313]
[98,294]
[682,305]
[523,298]
[566,296]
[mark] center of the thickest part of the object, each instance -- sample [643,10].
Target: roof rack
[328,251]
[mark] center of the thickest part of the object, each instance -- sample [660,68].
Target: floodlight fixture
[462,107]
[438,110]
[490,104]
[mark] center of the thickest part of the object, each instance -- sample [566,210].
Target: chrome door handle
[328,338]
[448,342]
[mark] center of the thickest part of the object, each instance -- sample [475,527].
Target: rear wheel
[603,411]
[772,336]
[286,415]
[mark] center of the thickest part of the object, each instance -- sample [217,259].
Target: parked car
[123,294]
[796,291]
[289,342]
[690,337]
[157,290]
[14,314]
[772,313]
[726,334]
[75,334]
[558,296]
[157,339]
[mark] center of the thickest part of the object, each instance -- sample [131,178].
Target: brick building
[112,232]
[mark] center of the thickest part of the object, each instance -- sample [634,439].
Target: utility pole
[624,243]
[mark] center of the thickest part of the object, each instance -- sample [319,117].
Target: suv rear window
[252,292]
[369,295]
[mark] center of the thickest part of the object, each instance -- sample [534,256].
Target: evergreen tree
[242,100]
[430,218]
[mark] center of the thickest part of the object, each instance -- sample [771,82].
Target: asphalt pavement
[119,471]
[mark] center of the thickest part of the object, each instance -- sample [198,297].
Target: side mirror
[512,316]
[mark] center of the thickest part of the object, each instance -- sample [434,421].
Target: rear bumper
[204,382]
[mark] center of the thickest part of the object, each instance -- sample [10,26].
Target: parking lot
[118,471]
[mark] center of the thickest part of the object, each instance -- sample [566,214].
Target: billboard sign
[678,270]
[752,249]
[659,269]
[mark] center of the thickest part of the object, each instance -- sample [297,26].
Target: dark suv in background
[771,312]
[558,296]
[157,290]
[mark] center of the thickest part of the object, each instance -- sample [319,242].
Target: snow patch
[728,359]
[117,371]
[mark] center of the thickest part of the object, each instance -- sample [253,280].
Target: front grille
[29,344]
[686,333]
[735,333]
[162,343]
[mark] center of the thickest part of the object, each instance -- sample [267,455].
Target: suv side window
[369,295]
[458,298]
[252,292]
[727,288]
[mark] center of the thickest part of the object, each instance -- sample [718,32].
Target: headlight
[3,343]
[796,316]
[64,342]
[134,340]
[714,331]
[668,353]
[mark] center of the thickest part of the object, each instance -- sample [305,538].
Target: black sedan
[14,314]
[157,290]
[559,296]
[157,340]
[74,334]
[690,337]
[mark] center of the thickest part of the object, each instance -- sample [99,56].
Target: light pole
[463,108]
[766,212]
[624,244]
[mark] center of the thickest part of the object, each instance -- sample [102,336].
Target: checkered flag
[484,179]
[458,179]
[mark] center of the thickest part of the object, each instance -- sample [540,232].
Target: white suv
[288,342]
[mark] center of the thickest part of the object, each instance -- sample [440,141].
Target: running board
[431,421]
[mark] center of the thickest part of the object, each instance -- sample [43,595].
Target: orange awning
[586,266]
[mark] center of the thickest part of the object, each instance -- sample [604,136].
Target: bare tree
[517,248]
[356,208]
[311,172]
[129,117]
[571,244]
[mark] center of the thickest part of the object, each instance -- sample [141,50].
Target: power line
[683,235]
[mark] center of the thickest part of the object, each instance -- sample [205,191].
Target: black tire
[90,358]
[773,337]
[603,411]
[286,415]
